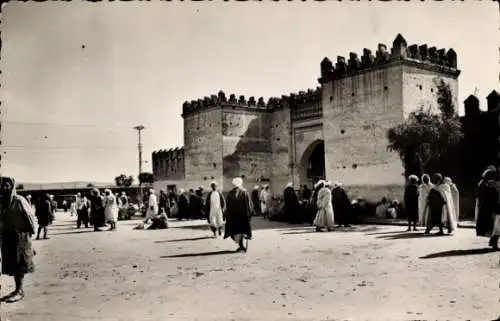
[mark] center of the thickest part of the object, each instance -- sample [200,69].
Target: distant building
[336,131]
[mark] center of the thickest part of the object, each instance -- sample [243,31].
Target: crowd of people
[430,202]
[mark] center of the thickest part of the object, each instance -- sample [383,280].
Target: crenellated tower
[363,97]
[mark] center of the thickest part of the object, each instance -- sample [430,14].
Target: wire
[110,126]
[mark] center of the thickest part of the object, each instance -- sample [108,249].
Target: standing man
[152,210]
[435,204]
[17,228]
[411,201]
[291,204]
[215,207]
[82,210]
[43,214]
[256,199]
[239,210]
[341,205]
[163,204]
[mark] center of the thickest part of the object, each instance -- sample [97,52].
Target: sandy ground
[290,272]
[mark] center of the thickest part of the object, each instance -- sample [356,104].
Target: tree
[145,178]
[123,180]
[428,141]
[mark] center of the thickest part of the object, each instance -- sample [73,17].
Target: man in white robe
[449,216]
[152,210]
[324,217]
[215,206]
[265,201]
[424,189]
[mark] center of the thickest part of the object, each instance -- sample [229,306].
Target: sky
[78,76]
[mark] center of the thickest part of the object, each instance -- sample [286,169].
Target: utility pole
[139,129]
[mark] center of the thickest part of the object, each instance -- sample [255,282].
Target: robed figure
[487,207]
[291,206]
[43,214]
[324,217]
[16,229]
[97,209]
[341,205]
[238,215]
[256,200]
[435,205]
[411,201]
[423,193]
[215,206]
[449,214]
[183,205]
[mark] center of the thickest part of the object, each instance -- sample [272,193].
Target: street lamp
[139,129]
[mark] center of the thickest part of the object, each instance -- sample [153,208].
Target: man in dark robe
[435,203]
[256,200]
[238,215]
[163,202]
[183,205]
[488,203]
[411,201]
[96,210]
[291,205]
[341,205]
[43,214]
[306,193]
[17,227]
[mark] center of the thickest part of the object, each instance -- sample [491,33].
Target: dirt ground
[290,272]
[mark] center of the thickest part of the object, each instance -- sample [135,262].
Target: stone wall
[420,89]
[281,148]
[169,164]
[246,146]
[203,147]
[357,113]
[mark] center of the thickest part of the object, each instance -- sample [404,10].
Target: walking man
[215,206]
[239,210]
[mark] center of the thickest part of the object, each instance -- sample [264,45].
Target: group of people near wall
[433,203]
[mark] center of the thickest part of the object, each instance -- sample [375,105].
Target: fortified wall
[363,97]
[348,115]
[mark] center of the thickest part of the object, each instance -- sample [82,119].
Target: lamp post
[139,129]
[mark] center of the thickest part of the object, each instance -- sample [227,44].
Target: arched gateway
[312,163]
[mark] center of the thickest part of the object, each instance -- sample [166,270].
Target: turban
[290,184]
[238,182]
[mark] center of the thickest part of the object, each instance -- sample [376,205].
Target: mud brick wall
[281,148]
[246,147]
[203,148]
[420,89]
[357,113]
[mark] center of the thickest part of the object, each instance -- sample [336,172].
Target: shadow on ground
[409,235]
[257,223]
[75,231]
[199,254]
[459,253]
[308,229]
[185,240]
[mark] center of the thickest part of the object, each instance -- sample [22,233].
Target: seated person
[160,221]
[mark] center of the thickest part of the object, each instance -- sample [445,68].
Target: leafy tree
[145,178]
[428,141]
[123,180]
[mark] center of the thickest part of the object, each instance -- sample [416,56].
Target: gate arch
[312,163]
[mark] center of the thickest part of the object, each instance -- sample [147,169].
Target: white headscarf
[238,182]
[290,184]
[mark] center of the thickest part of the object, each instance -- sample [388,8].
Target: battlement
[441,60]
[168,164]
[173,152]
[240,102]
